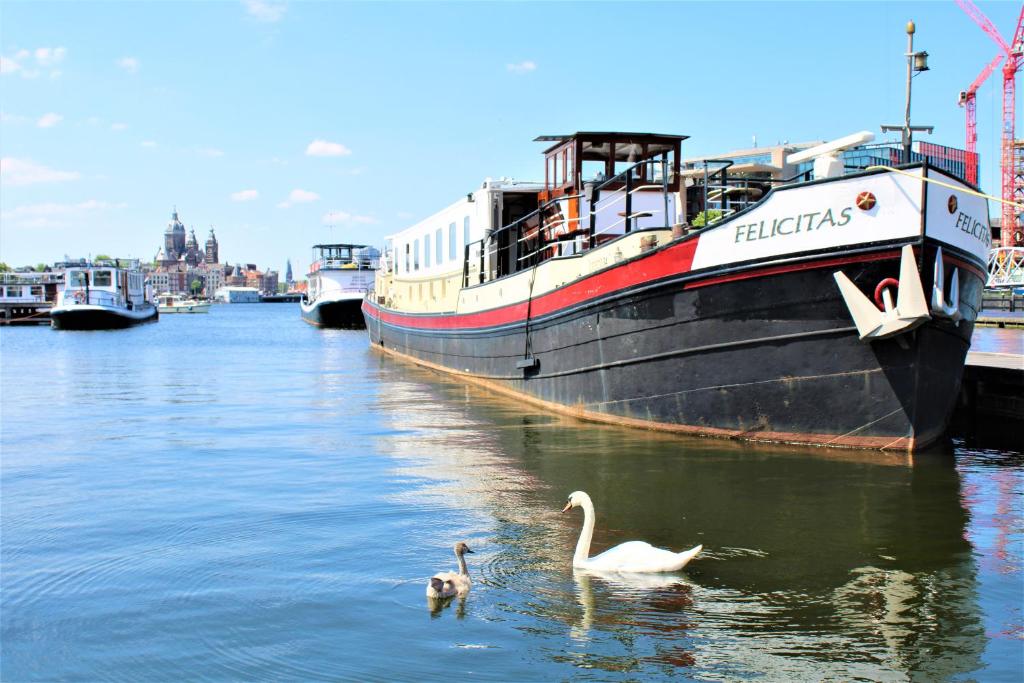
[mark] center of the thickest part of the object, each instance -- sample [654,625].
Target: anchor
[939,306]
[910,310]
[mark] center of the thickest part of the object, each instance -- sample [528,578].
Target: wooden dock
[990,410]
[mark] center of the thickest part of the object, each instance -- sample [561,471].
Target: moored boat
[103,295]
[175,303]
[339,278]
[792,309]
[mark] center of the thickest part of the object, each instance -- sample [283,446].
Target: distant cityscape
[181,266]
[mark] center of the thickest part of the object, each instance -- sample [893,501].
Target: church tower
[212,248]
[192,254]
[288,273]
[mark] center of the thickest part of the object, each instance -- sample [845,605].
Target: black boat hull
[345,314]
[94,318]
[767,354]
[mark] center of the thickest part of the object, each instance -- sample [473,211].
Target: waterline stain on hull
[767,359]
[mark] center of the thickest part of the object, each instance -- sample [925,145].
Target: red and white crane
[1012,174]
[967,101]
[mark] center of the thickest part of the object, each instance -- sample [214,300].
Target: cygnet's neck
[583,545]
[462,564]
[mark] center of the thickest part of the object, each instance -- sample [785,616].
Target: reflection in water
[850,564]
[437,605]
[237,511]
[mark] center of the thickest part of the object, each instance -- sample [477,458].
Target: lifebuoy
[887,282]
[79,296]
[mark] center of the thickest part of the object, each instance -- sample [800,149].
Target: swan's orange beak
[568,506]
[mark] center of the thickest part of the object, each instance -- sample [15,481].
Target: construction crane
[1012,185]
[967,101]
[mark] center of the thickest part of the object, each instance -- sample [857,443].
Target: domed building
[174,238]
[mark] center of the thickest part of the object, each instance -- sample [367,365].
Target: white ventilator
[910,311]
[828,157]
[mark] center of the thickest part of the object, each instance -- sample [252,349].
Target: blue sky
[284,124]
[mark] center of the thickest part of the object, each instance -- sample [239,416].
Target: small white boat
[175,303]
[103,295]
[339,278]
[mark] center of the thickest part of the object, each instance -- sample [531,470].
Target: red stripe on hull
[778,270]
[673,261]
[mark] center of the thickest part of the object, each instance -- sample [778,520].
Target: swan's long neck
[462,564]
[583,545]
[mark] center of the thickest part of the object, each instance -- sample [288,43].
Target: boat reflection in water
[817,563]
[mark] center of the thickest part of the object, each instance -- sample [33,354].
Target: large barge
[832,308]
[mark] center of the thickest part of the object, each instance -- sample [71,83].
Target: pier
[991,403]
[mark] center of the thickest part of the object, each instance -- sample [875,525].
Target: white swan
[633,556]
[447,584]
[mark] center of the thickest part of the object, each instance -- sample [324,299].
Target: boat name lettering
[975,228]
[808,222]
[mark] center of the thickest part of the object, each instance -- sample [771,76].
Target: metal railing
[94,297]
[533,234]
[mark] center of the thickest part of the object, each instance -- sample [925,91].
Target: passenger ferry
[175,303]
[103,295]
[724,299]
[339,278]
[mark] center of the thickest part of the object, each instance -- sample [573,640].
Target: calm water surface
[239,496]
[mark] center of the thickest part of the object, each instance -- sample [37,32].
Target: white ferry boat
[103,295]
[175,303]
[339,278]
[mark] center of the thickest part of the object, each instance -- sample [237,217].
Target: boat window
[451,242]
[439,247]
[77,278]
[416,255]
[593,169]
[14,291]
[406,257]
[37,290]
[465,231]
[426,251]
[101,278]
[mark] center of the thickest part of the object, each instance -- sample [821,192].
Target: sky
[285,124]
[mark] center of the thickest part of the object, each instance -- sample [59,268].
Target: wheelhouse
[597,187]
[343,257]
[105,283]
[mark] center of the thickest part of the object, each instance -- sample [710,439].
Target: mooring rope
[947,185]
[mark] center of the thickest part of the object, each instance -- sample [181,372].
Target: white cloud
[118,126]
[50,56]
[28,63]
[267,11]
[12,118]
[148,143]
[245,195]
[53,215]
[49,120]
[298,197]
[323,148]
[405,215]
[129,64]
[27,172]
[8,65]
[211,152]
[335,217]
[522,67]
